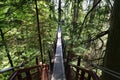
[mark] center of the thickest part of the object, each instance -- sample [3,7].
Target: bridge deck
[58,68]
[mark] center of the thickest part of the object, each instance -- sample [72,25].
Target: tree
[112,56]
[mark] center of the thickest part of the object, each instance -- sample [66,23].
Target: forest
[90,31]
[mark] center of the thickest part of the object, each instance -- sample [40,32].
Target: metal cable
[106,70]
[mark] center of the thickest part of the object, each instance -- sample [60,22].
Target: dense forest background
[85,25]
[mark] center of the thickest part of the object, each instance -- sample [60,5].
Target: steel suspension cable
[104,69]
[59,13]
[109,71]
[6,48]
[38,28]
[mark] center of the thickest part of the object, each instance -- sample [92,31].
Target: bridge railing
[38,72]
[26,74]
[82,74]
[75,72]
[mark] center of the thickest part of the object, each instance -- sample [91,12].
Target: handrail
[7,69]
[13,76]
[20,65]
[11,68]
[90,73]
[104,69]
[26,70]
[40,71]
[107,71]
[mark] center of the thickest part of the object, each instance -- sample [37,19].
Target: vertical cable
[38,27]
[59,12]
[6,48]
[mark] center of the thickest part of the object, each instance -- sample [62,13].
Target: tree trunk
[75,17]
[59,12]
[112,56]
[92,16]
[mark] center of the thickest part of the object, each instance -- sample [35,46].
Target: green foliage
[19,25]
[78,34]
[18,22]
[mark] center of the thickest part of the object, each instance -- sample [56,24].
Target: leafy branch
[81,28]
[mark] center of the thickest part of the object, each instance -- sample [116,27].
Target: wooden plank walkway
[58,68]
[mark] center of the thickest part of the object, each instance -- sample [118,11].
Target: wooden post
[28,75]
[45,72]
[77,70]
[82,75]
[51,63]
[38,69]
[67,67]
[68,73]
[19,76]
[89,76]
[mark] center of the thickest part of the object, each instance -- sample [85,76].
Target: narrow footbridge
[58,68]
[61,70]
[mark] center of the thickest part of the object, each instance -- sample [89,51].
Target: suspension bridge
[58,72]
[59,67]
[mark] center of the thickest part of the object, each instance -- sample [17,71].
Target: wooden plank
[58,68]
